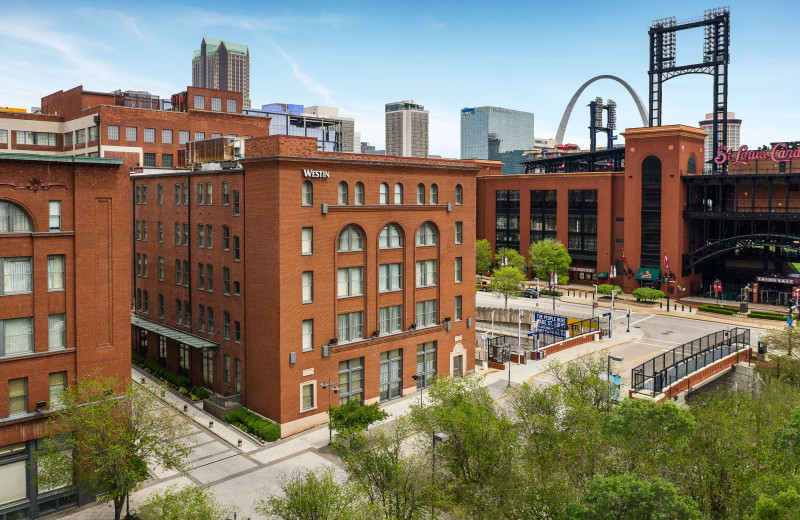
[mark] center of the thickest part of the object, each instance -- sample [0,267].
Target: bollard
[210,424]
[240,443]
[682,309]
[675,308]
[660,305]
[142,380]
[185,408]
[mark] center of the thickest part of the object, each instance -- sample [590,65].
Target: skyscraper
[224,66]
[496,134]
[734,136]
[406,129]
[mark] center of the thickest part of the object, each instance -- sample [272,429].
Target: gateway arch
[562,127]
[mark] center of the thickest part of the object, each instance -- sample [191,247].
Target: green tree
[483,256]
[509,257]
[353,417]
[507,281]
[314,495]
[105,443]
[783,506]
[647,294]
[627,498]
[195,502]
[549,255]
[783,342]
[605,289]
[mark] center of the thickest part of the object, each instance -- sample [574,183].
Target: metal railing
[654,375]
[225,400]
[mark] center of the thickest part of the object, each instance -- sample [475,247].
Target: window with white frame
[426,363]
[308,395]
[17,275]
[92,133]
[391,370]
[308,286]
[459,195]
[130,133]
[343,193]
[113,132]
[214,135]
[209,236]
[209,190]
[4,137]
[307,241]
[13,219]
[350,326]
[426,314]
[308,335]
[426,235]
[351,381]
[57,331]
[67,138]
[149,135]
[390,237]
[166,136]
[384,193]
[390,277]
[459,233]
[17,336]
[350,282]
[200,197]
[350,239]
[225,193]
[458,308]
[420,193]
[359,195]
[231,105]
[307,194]
[216,103]
[458,269]
[55,272]
[426,273]
[149,159]
[398,193]
[199,102]
[390,319]
[55,215]
[80,136]
[199,136]
[18,396]
[434,194]
[58,383]
[226,324]
[183,136]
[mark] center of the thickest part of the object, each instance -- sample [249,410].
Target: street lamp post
[629,321]
[611,319]
[610,359]
[418,379]
[594,301]
[330,386]
[538,293]
[440,437]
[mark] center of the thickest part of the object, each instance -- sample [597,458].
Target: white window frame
[313,385]
[390,320]
[308,335]
[426,314]
[307,241]
[308,287]
[427,273]
[350,282]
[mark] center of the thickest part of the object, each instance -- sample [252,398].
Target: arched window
[13,219]
[691,167]
[426,235]
[351,239]
[398,193]
[343,193]
[459,194]
[420,193]
[308,193]
[434,194]
[390,237]
[359,193]
[384,199]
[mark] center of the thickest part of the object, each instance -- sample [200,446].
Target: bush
[168,376]
[548,292]
[199,393]
[717,309]
[647,294]
[249,422]
[765,315]
[353,416]
[606,288]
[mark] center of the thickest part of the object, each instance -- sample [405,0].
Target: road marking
[647,318]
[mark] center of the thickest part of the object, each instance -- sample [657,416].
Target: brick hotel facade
[64,300]
[300,267]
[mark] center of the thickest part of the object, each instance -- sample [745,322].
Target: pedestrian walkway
[700,300]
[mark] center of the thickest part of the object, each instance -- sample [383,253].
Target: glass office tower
[497,134]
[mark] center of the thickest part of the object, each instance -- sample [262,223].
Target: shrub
[168,376]
[249,422]
[548,292]
[199,393]
[717,309]
[765,315]
[647,294]
[606,288]
[353,416]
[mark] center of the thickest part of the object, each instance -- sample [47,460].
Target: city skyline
[534,69]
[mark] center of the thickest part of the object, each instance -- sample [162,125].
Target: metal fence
[652,376]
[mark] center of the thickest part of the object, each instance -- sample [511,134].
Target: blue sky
[358,56]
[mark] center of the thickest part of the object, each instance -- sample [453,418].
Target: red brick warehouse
[262,281]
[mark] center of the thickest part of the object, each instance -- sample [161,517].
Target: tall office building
[497,134]
[734,136]
[223,66]
[406,129]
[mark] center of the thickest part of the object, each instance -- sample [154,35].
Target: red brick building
[64,295]
[71,121]
[636,210]
[301,267]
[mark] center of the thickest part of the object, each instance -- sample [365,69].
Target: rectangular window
[226,238]
[215,135]
[160,195]
[149,159]
[55,272]
[186,234]
[186,273]
[36,138]
[178,312]
[144,230]
[58,383]
[236,288]
[130,133]
[177,233]
[227,370]
[390,319]
[17,336]
[351,327]
[57,331]
[177,194]
[458,308]
[209,278]
[307,396]
[350,281]
[231,105]
[67,138]
[199,136]
[426,273]
[200,198]
[201,242]
[17,275]
[308,241]
[226,324]
[80,136]
[185,194]
[351,381]
[209,236]
[178,277]
[308,335]
[187,314]
[166,160]
[390,277]
[216,103]
[201,277]
[201,317]
[55,215]
[226,281]
[149,135]
[4,137]
[391,370]
[92,133]
[144,194]
[459,233]
[235,249]
[426,363]
[225,193]
[183,136]
[162,350]
[166,136]
[426,314]
[208,369]
[160,232]
[18,396]
[183,359]
[458,269]
[210,328]
[209,190]
[308,286]
[237,332]
[161,306]
[113,132]
[199,102]
[235,203]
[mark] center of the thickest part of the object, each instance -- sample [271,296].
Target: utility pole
[330,386]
